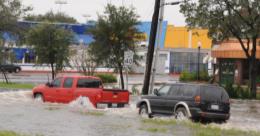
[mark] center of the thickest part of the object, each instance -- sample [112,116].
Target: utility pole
[148,67]
[158,41]
[149,58]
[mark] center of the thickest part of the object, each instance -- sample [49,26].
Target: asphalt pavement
[39,78]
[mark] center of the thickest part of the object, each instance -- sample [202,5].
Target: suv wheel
[17,70]
[181,114]
[143,111]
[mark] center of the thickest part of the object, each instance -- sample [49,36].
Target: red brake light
[197,99]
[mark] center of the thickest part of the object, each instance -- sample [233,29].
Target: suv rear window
[88,83]
[213,93]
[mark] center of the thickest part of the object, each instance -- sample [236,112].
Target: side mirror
[156,92]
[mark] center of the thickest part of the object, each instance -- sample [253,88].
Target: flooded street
[245,115]
[20,113]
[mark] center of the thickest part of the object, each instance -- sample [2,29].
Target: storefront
[232,64]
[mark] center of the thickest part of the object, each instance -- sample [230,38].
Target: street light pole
[198,70]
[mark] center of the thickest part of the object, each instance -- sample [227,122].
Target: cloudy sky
[84,10]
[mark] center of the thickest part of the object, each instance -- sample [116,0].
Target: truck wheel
[143,111]
[181,114]
[38,97]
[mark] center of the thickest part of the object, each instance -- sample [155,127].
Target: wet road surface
[20,113]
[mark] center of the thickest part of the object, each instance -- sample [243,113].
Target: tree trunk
[6,79]
[52,71]
[121,76]
[253,70]
[252,76]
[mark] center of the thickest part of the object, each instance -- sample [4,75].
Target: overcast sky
[89,8]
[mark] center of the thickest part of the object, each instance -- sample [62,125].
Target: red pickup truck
[68,88]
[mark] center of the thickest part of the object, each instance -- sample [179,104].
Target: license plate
[114,105]
[101,106]
[214,107]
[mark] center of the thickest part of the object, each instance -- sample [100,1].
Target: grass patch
[208,130]
[258,96]
[92,113]
[9,133]
[154,130]
[197,129]
[12,133]
[16,86]
[52,108]
[159,122]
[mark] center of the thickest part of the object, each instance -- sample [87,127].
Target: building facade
[178,47]
[232,65]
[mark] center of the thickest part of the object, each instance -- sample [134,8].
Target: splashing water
[82,102]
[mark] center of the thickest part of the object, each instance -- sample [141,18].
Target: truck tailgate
[115,96]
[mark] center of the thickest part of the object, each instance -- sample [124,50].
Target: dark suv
[195,101]
[10,68]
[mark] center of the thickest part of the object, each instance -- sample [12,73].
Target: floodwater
[245,115]
[20,113]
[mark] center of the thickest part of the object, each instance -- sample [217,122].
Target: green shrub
[135,91]
[192,76]
[231,91]
[107,78]
[245,93]
[258,79]
[187,76]
[237,92]
[204,76]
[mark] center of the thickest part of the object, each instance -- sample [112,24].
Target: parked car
[195,101]
[68,88]
[10,68]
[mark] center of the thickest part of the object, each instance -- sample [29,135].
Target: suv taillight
[228,101]
[197,99]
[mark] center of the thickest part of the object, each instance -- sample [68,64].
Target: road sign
[128,58]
